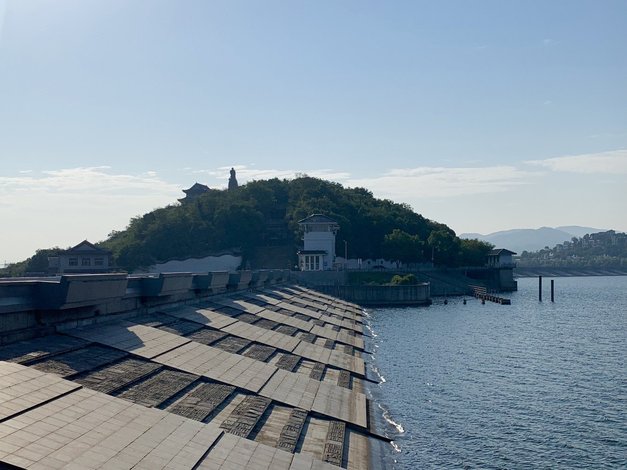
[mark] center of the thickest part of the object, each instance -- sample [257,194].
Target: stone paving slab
[344,379]
[332,357]
[294,389]
[287,305]
[239,304]
[261,335]
[115,376]
[293,344]
[317,371]
[305,461]
[246,415]
[325,332]
[288,362]
[259,352]
[152,319]
[202,401]
[235,453]
[142,340]
[267,324]
[232,344]
[286,329]
[219,365]
[286,320]
[181,327]
[312,351]
[78,360]
[291,430]
[356,341]
[204,316]
[23,388]
[280,293]
[260,296]
[341,403]
[25,351]
[158,388]
[89,430]
[246,317]
[207,336]
[342,360]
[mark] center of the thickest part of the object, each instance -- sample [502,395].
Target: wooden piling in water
[552,290]
[540,288]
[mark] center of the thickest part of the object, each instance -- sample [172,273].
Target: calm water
[530,385]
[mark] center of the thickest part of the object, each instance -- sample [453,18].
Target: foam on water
[386,416]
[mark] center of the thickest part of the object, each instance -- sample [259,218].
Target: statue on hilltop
[232,181]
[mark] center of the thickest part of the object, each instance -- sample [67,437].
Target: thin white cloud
[86,181]
[63,207]
[443,182]
[401,184]
[246,173]
[612,162]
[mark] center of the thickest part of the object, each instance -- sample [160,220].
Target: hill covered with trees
[265,213]
[597,250]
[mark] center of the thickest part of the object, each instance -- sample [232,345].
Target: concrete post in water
[540,288]
[552,290]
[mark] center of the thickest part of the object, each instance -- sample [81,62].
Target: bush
[407,280]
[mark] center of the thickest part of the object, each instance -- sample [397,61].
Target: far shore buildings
[318,253]
[81,259]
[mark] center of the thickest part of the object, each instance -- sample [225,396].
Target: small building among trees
[192,193]
[82,258]
[500,258]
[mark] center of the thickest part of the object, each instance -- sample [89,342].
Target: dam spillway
[209,371]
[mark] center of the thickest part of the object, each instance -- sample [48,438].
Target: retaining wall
[38,306]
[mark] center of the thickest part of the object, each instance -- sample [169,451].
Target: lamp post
[345,254]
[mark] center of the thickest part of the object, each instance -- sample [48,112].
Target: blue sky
[483,115]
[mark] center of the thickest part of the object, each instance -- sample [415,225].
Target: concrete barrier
[213,283]
[259,278]
[239,280]
[79,290]
[37,306]
[165,284]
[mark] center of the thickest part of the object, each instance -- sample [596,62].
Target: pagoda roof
[196,187]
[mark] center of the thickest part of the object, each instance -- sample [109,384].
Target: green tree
[400,245]
[445,247]
[474,252]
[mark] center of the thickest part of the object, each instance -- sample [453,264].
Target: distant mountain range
[528,239]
